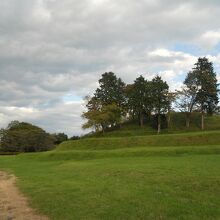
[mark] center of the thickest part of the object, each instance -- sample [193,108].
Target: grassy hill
[177,125]
[162,177]
[183,139]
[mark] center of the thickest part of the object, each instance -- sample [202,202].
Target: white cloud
[53,52]
[63,117]
[210,39]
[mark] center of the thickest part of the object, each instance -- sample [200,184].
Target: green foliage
[106,116]
[25,137]
[106,107]
[202,80]
[60,137]
[139,97]
[160,91]
[74,138]
[202,83]
[111,90]
[208,93]
[114,102]
[160,99]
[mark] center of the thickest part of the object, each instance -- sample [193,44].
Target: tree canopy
[201,84]
[114,102]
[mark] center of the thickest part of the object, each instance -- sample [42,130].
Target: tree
[111,90]
[102,118]
[136,98]
[59,138]
[25,137]
[186,101]
[160,99]
[202,79]
[149,98]
[171,99]
[92,115]
[129,106]
[106,108]
[139,98]
[75,137]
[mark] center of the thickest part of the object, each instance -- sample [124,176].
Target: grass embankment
[177,125]
[183,139]
[138,178]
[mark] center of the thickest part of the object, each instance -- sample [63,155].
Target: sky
[53,52]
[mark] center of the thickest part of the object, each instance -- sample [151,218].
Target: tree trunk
[158,124]
[103,128]
[187,119]
[168,120]
[133,115]
[149,116]
[202,121]
[141,120]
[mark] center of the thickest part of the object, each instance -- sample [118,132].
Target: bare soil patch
[13,205]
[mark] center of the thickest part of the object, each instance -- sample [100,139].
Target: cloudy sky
[53,52]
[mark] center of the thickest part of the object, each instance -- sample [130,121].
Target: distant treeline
[25,137]
[115,102]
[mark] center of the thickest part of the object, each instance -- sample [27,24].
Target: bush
[25,137]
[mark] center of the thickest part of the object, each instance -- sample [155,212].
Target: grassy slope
[177,125]
[139,183]
[183,139]
[171,176]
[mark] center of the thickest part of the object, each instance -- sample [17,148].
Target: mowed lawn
[141,183]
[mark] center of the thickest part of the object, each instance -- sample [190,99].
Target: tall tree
[102,118]
[160,99]
[92,115]
[111,90]
[186,101]
[203,80]
[137,98]
[106,108]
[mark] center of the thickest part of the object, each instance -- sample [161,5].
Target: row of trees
[114,101]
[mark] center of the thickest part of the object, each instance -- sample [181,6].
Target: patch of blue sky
[181,77]
[71,98]
[187,48]
[216,50]
[196,50]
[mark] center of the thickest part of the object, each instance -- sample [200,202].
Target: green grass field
[154,177]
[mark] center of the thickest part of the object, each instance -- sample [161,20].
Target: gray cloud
[53,52]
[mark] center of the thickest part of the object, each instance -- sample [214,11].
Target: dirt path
[13,205]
